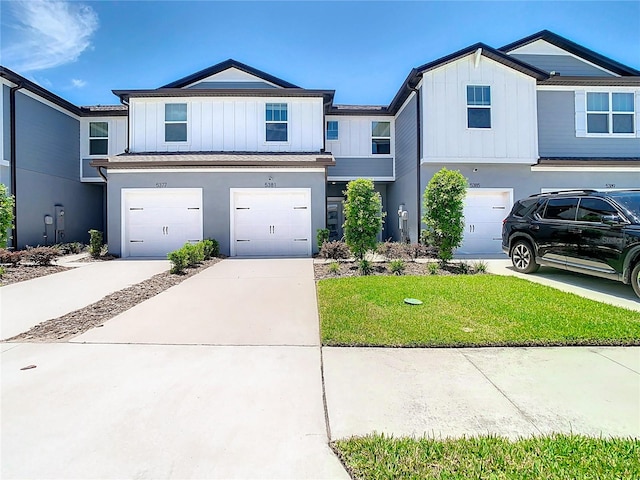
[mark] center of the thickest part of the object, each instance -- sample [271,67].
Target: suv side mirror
[612,220]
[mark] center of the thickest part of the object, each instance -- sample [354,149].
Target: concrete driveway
[218,377]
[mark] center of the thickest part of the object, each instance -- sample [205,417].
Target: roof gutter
[12,159]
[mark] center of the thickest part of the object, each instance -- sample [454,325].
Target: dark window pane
[98,129]
[622,123]
[175,112]
[380,129]
[592,210]
[479,118]
[597,123]
[332,130]
[381,146]
[561,209]
[98,147]
[175,132]
[276,132]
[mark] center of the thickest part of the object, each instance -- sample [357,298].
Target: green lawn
[466,310]
[551,457]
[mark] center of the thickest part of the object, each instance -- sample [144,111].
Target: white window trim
[286,122]
[165,122]
[95,155]
[581,112]
[381,138]
[488,107]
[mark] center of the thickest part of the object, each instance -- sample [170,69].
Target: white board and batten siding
[226,124]
[354,136]
[512,137]
[117,135]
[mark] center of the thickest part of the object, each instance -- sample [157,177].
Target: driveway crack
[615,361]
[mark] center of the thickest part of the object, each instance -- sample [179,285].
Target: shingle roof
[591,81]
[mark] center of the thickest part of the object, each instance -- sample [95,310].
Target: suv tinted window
[593,209]
[561,209]
[522,207]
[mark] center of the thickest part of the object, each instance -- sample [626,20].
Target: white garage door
[484,210]
[157,221]
[271,222]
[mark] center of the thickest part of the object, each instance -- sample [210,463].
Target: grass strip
[556,456]
[474,310]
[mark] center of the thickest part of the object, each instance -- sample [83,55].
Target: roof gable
[573,48]
[229,71]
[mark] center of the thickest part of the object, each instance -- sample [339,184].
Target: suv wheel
[635,279]
[523,257]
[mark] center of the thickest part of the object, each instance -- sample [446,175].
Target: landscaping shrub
[322,236]
[363,217]
[195,253]
[480,266]
[6,215]
[1,271]
[397,267]
[443,204]
[41,256]
[334,268]
[69,248]
[393,250]
[179,260]
[464,268]
[419,250]
[211,248]
[335,250]
[365,267]
[10,257]
[433,268]
[95,243]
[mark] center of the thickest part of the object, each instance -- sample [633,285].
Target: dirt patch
[79,321]
[21,273]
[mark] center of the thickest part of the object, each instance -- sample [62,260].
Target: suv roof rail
[565,191]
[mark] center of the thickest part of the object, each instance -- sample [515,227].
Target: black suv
[586,231]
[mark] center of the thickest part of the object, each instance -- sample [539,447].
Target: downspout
[12,159]
[418,148]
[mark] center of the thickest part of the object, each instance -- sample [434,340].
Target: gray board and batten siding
[366,167]
[564,65]
[48,174]
[557,132]
[405,189]
[216,187]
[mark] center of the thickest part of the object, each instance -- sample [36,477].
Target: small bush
[334,268]
[69,248]
[322,236]
[41,256]
[335,250]
[480,266]
[1,271]
[179,260]
[464,268]
[211,248]
[195,253]
[95,243]
[365,267]
[433,268]
[397,267]
[420,250]
[12,258]
[392,250]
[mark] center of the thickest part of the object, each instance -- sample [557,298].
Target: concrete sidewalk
[26,304]
[502,391]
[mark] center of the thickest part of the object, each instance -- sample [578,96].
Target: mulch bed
[74,323]
[20,273]
[350,269]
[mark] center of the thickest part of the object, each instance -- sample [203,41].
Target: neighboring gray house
[236,154]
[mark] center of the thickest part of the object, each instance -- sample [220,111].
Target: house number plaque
[270,183]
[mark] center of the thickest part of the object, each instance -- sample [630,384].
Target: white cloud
[49,34]
[77,83]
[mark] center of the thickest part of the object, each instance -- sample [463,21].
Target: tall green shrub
[443,206]
[363,217]
[6,215]
[95,243]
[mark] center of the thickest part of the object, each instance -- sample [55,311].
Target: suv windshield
[629,200]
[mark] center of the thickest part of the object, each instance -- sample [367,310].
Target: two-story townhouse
[44,139]
[230,153]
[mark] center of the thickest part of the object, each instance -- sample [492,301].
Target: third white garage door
[271,222]
[484,210]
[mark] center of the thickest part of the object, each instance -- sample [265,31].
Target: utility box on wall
[59,223]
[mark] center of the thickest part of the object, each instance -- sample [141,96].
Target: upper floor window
[276,122]
[98,138]
[609,113]
[175,122]
[478,106]
[381,137]
[332,130]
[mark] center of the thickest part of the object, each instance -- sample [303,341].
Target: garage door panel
[484,212]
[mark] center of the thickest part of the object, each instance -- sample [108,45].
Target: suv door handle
[575,230]
[534,227]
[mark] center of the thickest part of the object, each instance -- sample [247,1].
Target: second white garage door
[484,210]
[271,222]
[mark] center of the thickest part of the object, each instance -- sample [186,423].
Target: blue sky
[81,50]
